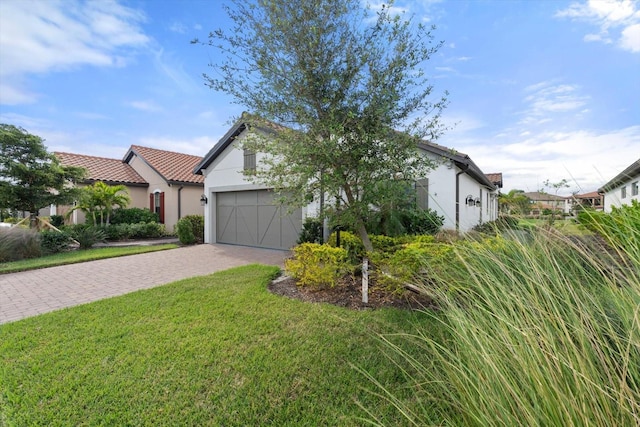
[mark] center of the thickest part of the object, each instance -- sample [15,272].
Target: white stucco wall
[614,196]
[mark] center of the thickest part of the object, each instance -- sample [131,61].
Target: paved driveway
[39,291]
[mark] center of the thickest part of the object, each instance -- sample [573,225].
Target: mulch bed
[348,293]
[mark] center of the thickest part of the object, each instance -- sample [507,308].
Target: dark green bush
[148,230]
[503,223]
[133,216]
[56,220]
[311,231]
[87,236]
[53,241]
[190,229]
[18,243]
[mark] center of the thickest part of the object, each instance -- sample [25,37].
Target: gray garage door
[251,218]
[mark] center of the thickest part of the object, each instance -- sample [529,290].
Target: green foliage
[317,266]
[515,203]
[31,178]
[621,227]
[503,223]
[538,333]
[351,85]
[53,241]
[148,230]
[18,243]
[57,220]
[411,264]
[87,236]
[408,220]
[311,231]
[98,201]
[133,216]
[351,243]
[190,229]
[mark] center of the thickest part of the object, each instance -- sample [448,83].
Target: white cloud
[548,99]
[148,106]
[588,158]
[198,146]
[45,36]
[178,27]
[616,19]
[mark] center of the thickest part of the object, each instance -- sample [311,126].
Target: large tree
[350,87]
[31,178]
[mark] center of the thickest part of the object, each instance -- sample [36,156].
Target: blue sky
[538,89]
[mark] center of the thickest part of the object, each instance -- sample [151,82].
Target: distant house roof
[590,195]
[110,171]
[628,173]
[175,168]
[461,160]
[495,178]
[536,196]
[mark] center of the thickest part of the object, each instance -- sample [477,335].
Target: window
[156,204]
[422,193]
[634,188]
[623,192]
[249,160]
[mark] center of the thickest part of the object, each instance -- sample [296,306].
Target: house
[174,190]
[623,188]
[244,213]
[543,201]
[109,171]
[591,200]
[156,179]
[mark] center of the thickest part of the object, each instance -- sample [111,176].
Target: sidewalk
[29,293]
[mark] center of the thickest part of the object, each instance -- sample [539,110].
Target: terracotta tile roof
[591,195]
[103,169]
[173,167]
[495,178]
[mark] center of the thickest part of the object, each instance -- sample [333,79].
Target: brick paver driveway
[39,291]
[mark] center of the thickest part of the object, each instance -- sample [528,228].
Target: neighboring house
[174,190]
[623,188]
[542,201]
[495,178]
[109,171]
[591,200]
[159,180]
[241,212]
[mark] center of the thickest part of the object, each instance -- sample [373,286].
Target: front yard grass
[212,350]
[73,257]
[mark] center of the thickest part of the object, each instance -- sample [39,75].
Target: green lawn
[213,350]
[567,226]
[73,257]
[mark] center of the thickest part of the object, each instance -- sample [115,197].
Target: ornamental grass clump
[544,332]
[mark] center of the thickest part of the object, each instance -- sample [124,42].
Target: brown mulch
[348,293]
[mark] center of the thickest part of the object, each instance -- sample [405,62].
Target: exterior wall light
[478,202]
[203,200]
[469,200]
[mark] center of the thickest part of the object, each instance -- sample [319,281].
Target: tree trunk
[33,219]
[364,236]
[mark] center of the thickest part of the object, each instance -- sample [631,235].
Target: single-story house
[623,188]
[156,179]
[241,212]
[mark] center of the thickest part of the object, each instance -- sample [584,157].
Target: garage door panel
[251,218]
[226,227]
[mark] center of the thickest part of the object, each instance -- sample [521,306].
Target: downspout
[463,169]
[180,201]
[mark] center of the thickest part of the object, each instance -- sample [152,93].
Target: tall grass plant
[539,332]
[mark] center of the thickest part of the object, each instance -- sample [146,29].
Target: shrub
[53,241]
[423,221]
[57,220]
[88,236]
[190,229]
[133,216]
[18,243]
[503,223]
[184,229]
[117,231]
[311,231]
[351,243]
[147,230]
[318,266]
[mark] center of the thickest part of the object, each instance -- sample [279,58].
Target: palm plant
[99,200]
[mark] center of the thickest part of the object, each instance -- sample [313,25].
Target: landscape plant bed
[348,293]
